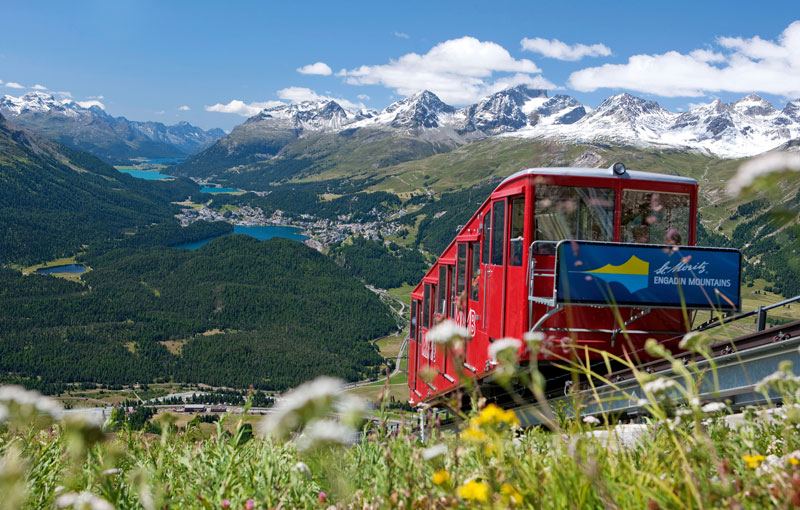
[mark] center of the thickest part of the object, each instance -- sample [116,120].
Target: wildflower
[655,349]
[533,339]
[226,503]
[658,385]
[494,415]
[434,451]
[473,434]
[591,420]
[713,407]
[326,431]
[499,346]
[83,501]
[302,468]
[301,405]
[794,461]
[352,409]
[113,471]
[474,491]
[13,396]
[510,493]
[764,165]
[695,341]
[753,461]
[446,332]
[249,504]
[322,497]
[441,477]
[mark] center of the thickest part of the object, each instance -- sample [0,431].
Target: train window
[461,271]
[426,307]
[486,234]
[453,294]
[515,232]
[652,217]
[441,303]
[498,215]
[476,271]
[413,332]
[571,212]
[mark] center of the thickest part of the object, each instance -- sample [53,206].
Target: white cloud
[363,97]
[184,108]
[160,112]
[402,35]
[39,87]
[299,94]
[64,93]
[743,65]
[563,51]
[241,108]
[89,104]
[459,71]
[320,68]
[14,85]
[1,82]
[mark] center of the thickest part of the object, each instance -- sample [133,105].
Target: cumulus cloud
[320,68]
[402,35]
[14,85]
[64,93]
[459,71]
[363,97]
[563,51]
[299,94]
[184,108]
[741,65]
[39,87]
[241,108]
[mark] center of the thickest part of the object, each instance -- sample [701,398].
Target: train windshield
[572,212]
[652,217]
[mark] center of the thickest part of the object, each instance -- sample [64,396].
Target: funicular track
[739,363]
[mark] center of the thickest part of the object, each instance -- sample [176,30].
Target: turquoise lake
[150,175]
[262,233]
[210,189]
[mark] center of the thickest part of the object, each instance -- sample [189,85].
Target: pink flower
[249,505]
[226,503]
[322,497]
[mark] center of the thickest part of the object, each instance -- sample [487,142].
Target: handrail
[761,311]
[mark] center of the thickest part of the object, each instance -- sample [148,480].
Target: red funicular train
[496,278]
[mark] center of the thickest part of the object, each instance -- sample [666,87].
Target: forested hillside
[54,200]
[235,312]
[383,266]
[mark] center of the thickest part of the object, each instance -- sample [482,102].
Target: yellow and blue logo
[632,274]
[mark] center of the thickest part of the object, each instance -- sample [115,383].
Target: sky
[214,64]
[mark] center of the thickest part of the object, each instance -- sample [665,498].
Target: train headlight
[619,168]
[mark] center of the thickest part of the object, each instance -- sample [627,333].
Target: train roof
[599,172]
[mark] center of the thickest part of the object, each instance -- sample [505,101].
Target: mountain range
[313,136]
[91,129]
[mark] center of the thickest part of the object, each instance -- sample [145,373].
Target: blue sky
[145,60]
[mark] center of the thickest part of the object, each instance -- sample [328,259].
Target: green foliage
[287,312]
[385,267]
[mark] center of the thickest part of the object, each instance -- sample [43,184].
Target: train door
[515,289]
[476,353]
[495,275]
[486,236]
[413,351]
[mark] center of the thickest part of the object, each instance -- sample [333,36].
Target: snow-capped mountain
[323,115]
[90,128]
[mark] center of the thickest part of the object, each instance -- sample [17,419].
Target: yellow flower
[473,434]
[441,477]
[474,491]
[511,494]
[753,461]
[494,415]
[794,461]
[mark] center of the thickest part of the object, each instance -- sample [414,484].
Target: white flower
[770,380]
[324,432]
[14,395]
[533,338]
[642,402]
[434,451]
[446,332]
[302,404]
[713,407]
[764,165]
[658,385]
[591,420]
[695,341]
[83,501]
[501,345]
[112,471]
[3,413]
[302,468]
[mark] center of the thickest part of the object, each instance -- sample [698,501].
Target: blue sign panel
[648,275]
